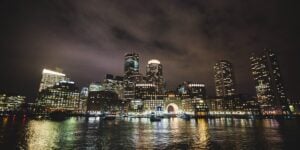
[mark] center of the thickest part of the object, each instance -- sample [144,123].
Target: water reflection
[42,135]
[45,134]
[174,133]
[203,133]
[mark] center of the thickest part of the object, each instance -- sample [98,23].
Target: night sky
[88,39]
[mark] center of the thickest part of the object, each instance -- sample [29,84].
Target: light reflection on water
[174,133]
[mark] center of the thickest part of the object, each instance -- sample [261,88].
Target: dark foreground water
[175,133]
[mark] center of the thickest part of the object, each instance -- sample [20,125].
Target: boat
[110,116]
[58,115]
[185,116]
[154,118]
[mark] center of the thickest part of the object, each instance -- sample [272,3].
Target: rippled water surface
[174,133]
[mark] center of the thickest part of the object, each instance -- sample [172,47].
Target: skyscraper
[224,78]
[50,78]
[154,74]
[131,66]
[131,75]
[268,82]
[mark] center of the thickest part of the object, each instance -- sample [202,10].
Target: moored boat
[154,117]
[185,116]
[58,115]
[110,116]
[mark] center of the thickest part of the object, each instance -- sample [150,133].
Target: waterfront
[174,133]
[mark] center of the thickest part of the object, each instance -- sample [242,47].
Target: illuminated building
[268,83]
[154,104]
[192,90]
[103,101]
[95,86]
[63,96]
[83,99]
[193,97]
[224,78]
[144,89]
[146,95]
[131,66]
[200,108]
[11,103]
[237,105]
[50,78]
[114,84]
[131,75]
[295,106]
[154,75]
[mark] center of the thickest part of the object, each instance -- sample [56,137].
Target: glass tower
[154,74]
[224,78]
[268,83]
[131,66]
[50,78]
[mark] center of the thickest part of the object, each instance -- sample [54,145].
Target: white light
[46,71]
[196,85]
[144,85]
[153,61]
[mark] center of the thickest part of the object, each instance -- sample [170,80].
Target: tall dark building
[131,66]
[268,83]
[115,84]
[131,75]
[103,101]
[224,78]
[154,75]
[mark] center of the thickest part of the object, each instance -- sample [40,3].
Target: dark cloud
[88,39]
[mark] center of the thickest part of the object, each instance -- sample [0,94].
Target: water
[174,133]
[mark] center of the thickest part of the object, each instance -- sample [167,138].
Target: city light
[46,71]
[153,61]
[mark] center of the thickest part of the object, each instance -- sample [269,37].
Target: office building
[154,75]
[95,86]
[268,83]
[83,99]
[63,96]
[114,84]
[131,66]
[224,79]
[11,103]
[192,90]
[50,78]
[143,90]
[131,75]
[103,101]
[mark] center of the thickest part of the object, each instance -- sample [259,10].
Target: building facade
[269,87]
[63,96]
[84,93]
[11,103]
[224,78]
[192,90]
[50,78]
[103,101]
[154,75]
[114,84]
[131,75]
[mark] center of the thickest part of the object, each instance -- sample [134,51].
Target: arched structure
[172,108]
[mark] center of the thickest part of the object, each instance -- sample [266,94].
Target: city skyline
[88,45]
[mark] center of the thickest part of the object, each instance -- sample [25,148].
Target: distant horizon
[140,71]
